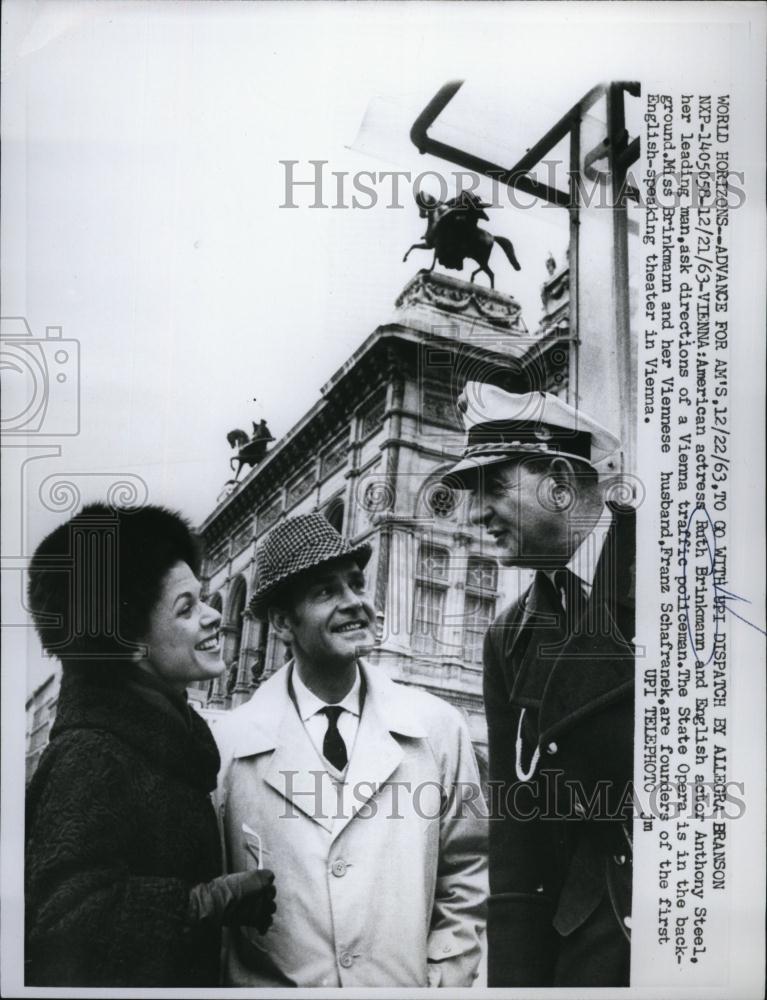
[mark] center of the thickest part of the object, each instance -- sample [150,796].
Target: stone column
[230,633]
[400,589]
[390,446]
[221,696]
[217,698]
[248,654]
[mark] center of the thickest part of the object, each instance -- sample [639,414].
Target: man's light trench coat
[374,886]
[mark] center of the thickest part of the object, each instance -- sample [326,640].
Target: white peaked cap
[501,425]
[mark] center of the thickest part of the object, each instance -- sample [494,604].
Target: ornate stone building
[40,713]
[369,455]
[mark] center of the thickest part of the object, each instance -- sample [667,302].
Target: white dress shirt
[316,724]
[583,562]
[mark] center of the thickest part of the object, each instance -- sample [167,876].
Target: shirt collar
[583,562]
[309,704]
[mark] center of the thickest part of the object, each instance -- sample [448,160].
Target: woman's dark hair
[94,580]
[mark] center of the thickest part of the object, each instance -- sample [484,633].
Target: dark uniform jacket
[560,841]
[120,826]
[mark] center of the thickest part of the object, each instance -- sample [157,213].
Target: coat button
[339,868]
[579,810]
[619,859]
[627,922]
[346,960]
[552,748]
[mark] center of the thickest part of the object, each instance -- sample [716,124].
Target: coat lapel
[295,770]
[538,623]
[299,775]
[596,664]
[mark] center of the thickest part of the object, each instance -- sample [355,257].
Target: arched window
[430,592]
[215,602]
[335,514]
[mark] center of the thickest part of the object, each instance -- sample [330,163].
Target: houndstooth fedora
[294,546]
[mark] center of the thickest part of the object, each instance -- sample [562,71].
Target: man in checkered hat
[559,691]
[361,795]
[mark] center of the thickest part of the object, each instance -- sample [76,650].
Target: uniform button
[346,960]
[579,810]
[539,888]
[627,922]
[339,868]
[552,748]
[619,859]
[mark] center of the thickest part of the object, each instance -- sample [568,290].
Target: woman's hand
[242,899]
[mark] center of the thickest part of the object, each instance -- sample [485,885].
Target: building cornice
[399,346]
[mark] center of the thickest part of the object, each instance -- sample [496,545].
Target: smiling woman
[182,640]
[123,865]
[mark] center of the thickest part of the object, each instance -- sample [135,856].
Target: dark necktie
[333,746]
[573,597]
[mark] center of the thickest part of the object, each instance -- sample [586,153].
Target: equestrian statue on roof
[453,234]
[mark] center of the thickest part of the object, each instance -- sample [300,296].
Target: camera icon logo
[41,381]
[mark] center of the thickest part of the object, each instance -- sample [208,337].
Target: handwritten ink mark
[721,595]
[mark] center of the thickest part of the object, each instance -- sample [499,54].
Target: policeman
[559,691]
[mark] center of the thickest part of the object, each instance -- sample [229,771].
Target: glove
[242,899]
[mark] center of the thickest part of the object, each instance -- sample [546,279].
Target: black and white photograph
[383,419]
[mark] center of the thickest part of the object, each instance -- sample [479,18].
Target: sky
[144,187]
[143,191]
[142,194]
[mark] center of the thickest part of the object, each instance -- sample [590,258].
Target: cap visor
[464,475]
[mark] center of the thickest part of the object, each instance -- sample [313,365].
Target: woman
[123,860]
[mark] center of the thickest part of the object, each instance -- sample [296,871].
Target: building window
[479,608]
[429,604]
[371,417]
[335,514]
[243,536]
[217,556]
[335,456]
[39,738]
[302,486]
[268,515]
